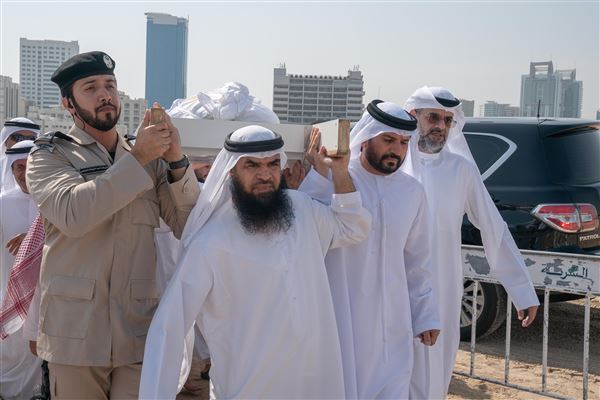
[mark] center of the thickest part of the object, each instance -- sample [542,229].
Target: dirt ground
[565,355]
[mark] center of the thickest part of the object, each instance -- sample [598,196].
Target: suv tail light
[569,218]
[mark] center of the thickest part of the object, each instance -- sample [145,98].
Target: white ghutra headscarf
[385,117]
[250,141]
[434,97]
[11,126]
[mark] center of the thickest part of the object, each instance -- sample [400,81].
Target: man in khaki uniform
[101,200]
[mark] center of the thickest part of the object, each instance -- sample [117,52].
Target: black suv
[544,176]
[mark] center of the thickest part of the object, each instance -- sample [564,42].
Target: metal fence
[556,272]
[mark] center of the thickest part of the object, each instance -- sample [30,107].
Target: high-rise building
[132,113]
[305,99]
[494,109]
[598,115]
[9,98]
[468,107]
[38,60]
[550,93]
[166,58]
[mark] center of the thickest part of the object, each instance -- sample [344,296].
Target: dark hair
[67,91]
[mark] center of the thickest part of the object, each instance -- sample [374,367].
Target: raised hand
[152,141]
[316,156]
[174,152]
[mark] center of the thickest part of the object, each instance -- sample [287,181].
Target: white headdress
[383,116]
[10,127]
[441,98]
[19,151]
[250,141]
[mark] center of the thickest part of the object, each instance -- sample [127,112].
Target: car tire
[491,309]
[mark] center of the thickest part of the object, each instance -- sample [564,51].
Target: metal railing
[540,275]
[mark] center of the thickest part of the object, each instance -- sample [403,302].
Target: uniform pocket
[143,300]
[70,307]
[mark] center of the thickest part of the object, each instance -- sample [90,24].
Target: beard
[94,121]
[266,213]
[430,142]
[379,162]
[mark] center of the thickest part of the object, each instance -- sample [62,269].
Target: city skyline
[480,55]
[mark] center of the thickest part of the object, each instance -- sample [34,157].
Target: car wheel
[490,306]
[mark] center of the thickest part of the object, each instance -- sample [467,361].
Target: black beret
[81,66]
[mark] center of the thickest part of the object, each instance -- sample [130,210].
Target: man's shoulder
[50,141]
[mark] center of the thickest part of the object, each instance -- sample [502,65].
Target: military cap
[81,66]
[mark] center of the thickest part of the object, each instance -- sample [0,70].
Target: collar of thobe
[249,141]
[431,158]
[442,99]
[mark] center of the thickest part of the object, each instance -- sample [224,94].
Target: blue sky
[477,49]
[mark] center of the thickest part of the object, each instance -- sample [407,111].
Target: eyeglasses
[17,137]
[435,118]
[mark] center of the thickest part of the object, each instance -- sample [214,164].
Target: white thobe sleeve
[173,322]
[317,186]
[31,323]
[343,223]
[503,256]
[417,261]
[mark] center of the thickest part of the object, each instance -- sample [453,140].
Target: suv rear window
[486,149]
[574,158]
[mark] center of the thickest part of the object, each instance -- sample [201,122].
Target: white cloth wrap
[232,102]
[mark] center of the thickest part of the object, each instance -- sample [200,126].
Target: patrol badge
[107,61]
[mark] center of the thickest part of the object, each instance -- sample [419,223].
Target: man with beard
[454,187]
[101,200]
[20,372]
[252,277]
[381,287]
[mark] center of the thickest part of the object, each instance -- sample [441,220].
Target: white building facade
[38,60]
[306,99]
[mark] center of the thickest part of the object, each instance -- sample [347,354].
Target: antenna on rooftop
[538,108]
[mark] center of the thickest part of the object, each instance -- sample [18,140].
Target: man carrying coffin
[381,287]
[252,277]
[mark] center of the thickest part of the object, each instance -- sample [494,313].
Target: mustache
[106,105]
[433,131]
[263,182]
[391,155]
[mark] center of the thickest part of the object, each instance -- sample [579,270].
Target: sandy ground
[565,357]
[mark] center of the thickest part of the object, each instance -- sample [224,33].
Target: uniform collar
[83,138]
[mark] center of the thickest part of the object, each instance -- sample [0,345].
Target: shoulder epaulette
[49,137]
[46,140]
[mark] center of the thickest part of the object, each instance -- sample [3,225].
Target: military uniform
[99,262]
